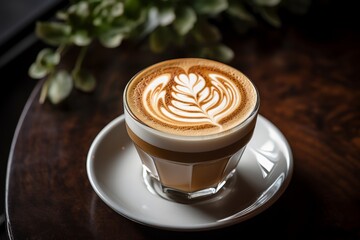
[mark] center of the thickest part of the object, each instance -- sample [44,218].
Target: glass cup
[189,167]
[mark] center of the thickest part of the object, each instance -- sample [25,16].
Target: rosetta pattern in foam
[191,98]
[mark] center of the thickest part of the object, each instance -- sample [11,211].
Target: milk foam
[189,143]
[186,100]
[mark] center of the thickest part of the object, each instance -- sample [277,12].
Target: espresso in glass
[190,120]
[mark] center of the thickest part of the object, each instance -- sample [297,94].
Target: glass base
[155,187]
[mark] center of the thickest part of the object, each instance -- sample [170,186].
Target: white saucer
[115,172]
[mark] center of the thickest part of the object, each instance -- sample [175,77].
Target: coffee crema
[191,96]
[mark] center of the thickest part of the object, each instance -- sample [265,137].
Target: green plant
[190,24]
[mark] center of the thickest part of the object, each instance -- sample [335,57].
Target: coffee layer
[190,157]
[191,97]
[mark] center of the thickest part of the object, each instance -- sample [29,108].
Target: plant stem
[44,90]
[61,48]
[79,60]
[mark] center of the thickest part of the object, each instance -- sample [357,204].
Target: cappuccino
[190,120]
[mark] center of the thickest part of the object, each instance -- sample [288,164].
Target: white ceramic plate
[115,172]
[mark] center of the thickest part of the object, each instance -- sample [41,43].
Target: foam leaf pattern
[192,98]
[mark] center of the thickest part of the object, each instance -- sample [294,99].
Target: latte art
[191,98]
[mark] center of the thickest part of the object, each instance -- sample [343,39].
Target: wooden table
[309,87]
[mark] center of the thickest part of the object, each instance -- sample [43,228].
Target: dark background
[19,47]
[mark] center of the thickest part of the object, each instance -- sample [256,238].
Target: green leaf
[62,15]
[223,53]
[60,86]
[211,7]
[159,39]
[271,16]
[151,22]
[206,33]
[97,21]
[133,8]
[48,58]
[238,10]
[117,9]
[37,71]
[267,3]
[84,81]
[185,20]
[53,33]
[79,15]
[81,9]
[81,38]
[219,52]
[45,62]
[111,40]
[122,25]
[166,16]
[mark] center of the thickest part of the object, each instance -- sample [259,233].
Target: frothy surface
[191,97]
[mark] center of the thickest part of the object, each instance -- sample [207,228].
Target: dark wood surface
[309,88]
